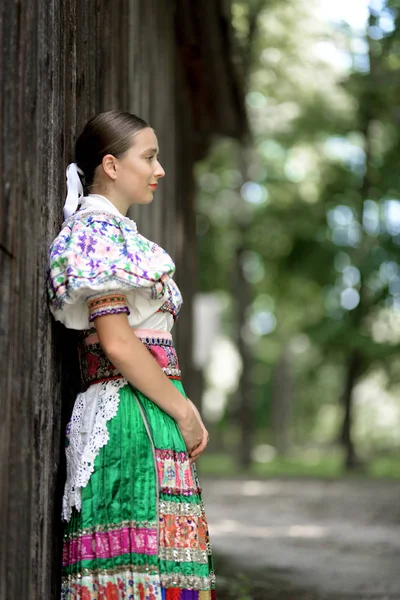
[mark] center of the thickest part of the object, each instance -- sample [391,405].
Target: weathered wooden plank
[60,63]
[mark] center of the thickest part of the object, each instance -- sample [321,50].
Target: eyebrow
[155,150]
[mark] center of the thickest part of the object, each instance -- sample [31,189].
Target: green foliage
[314,200]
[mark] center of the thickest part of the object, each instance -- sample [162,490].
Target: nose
[159,171]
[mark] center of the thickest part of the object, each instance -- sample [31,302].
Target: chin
[143,200]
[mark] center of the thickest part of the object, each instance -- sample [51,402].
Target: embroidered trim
[184,555]
[172,454]
[109,544]
[146,568]
[96,366]
[157,341]
[153,451]
[187,581]
[160,286]
[182,509]
[180,492]
[172,373]
[92,410]
[111,527]
[130,584]
[108,304]
[103,379]
[173,304]
[183,533]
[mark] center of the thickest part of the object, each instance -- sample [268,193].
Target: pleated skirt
[142,532]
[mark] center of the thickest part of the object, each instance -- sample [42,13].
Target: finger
[193,458]
[196,455]
[199,450]
[192,449]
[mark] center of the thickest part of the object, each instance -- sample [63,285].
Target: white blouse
[143,308]
[98,251]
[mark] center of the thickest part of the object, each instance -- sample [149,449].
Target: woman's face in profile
[139,170]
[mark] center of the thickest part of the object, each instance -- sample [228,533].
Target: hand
[191,428]
[196,452]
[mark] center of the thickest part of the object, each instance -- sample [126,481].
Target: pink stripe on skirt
[107,544]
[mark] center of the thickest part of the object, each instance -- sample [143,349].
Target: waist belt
[96,366]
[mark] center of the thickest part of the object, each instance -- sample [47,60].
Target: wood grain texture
[60,63]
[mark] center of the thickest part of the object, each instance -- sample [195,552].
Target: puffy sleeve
[100,265]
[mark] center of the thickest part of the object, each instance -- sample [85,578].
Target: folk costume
[135,525]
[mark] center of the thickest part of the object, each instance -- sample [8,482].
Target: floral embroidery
[101,252]
[132,583]
[92,364]
[184,532]
[174,302]
[164,353]
[109,544]
[175,473]
[96,366]
[141,591]
[112,591]
[85,595]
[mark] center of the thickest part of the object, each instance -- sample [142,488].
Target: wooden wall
[60,63]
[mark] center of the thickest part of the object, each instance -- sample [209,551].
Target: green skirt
[141,532]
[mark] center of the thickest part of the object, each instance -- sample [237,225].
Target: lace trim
[86,433]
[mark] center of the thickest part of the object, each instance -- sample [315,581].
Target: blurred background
[278,125]
[298,231]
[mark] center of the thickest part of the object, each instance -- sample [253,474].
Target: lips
[153,185]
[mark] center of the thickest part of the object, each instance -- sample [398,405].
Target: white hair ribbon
[74,189]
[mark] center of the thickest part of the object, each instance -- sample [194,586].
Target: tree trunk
[352,373]
[356,359]
[242,294]
[282,404]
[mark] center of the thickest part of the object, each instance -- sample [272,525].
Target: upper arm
[109,314]
[113,332]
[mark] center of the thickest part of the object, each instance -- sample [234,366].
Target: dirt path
[338,540]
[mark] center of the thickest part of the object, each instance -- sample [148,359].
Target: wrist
[195,410]
[183,413]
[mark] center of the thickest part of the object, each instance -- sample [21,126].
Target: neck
[119,203]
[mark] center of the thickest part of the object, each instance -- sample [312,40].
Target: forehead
[146,139]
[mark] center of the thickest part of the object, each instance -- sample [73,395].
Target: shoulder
[93,233]
[96,252]
[97,223]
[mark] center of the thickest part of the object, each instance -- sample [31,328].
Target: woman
[135,523]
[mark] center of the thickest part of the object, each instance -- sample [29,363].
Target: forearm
[132,359]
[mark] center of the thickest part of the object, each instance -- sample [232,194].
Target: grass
[316,464]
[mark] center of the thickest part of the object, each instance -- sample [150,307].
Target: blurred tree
[309,214]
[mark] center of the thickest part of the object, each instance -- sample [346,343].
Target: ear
[109,166]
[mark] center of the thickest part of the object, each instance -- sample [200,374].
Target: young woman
[135,523]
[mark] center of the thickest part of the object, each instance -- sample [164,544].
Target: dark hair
[107,133]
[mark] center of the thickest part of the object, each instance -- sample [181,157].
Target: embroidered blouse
[100,264]
[100,252]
